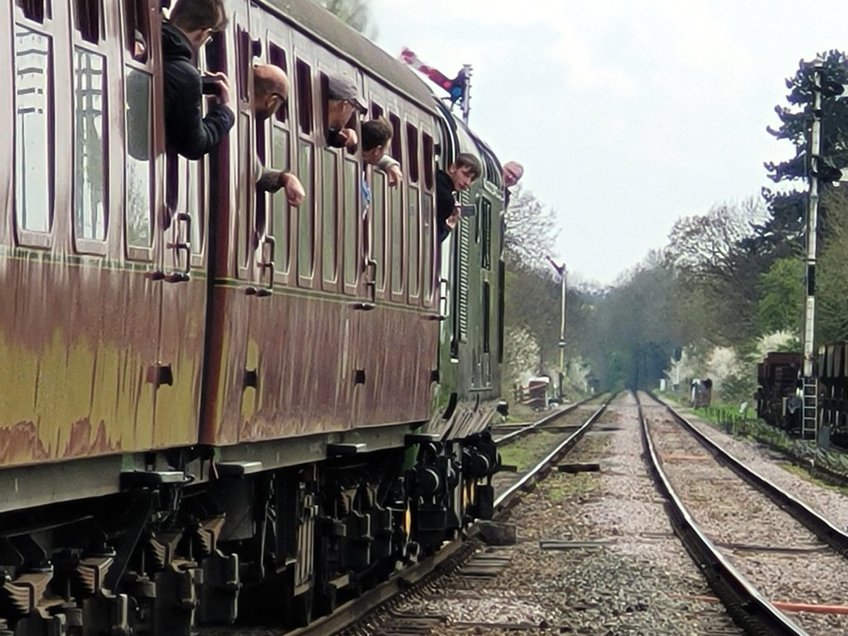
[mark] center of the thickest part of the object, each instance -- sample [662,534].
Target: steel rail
[348,613]
[521,432]
[742,600]
[541,469]
[813,521]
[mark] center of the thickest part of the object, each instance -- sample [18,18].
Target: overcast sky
[627,115]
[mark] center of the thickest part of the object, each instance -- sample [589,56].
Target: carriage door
[182,228]
[255,245]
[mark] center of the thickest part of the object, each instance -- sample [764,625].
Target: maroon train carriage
[777,383]
[206,390]
[832,372]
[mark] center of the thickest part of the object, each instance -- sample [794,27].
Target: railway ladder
[810,411]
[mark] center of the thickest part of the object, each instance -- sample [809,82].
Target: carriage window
[137,29]
[277,56]
[33,144]
[139,165]
[304,96]
[376,111]
[89,155]
[396,213]
[413,218]
[328,213]
[377,212]
[412,152]
[427,246]
[395,122]
[352,177]
[35,10]
[487,317]
[486,233]
[429,162]
[88,20]
[280,206]
[244,72]
[493,174]
[305,214]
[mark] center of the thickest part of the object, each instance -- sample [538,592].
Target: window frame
[84,245]
[21,234]
[305,125]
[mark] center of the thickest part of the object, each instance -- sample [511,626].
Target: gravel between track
[635,579]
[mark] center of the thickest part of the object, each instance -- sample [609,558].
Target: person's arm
[273,180]
[446,208]
[342,138]
[188,133]
[391,167]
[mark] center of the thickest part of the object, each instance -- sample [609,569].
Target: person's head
[376,135]
[342,100]
[512,173]
[199,19]
[270,90]
[464,170]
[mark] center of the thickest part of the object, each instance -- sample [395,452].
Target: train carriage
[208,392]
[777,384]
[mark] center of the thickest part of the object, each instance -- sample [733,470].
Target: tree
[714,254]
[530,230]
[781,302]
[633,329]
[832,272]
[787,208]
[355,13]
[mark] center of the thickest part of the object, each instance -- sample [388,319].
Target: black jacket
[187,133]
[445,203]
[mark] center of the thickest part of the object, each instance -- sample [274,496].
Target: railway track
[373,613]
[766,554]
[580,564]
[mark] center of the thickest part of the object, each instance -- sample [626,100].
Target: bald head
[270,90]
[512,173]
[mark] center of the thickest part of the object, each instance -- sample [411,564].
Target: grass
[559,490]
[526,453]
[805,456]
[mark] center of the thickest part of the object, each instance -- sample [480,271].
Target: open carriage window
[429,161]
[277,57]
[88,19]
[412,152]
[137,29]
[395,122]
[303,87]
[35,10]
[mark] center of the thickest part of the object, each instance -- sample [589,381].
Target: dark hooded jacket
[445,203]
[187,132]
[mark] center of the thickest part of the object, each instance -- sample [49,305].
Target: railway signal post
[821,171]
[563,277]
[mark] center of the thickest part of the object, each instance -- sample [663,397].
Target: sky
[627,114]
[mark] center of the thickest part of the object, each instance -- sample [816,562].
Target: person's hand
[294,188]
[351,139]
[223,95]
[395,174]
[453,220]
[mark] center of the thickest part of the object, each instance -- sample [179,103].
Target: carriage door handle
[444,292]
[371,285]
[184,247]
[266,265]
